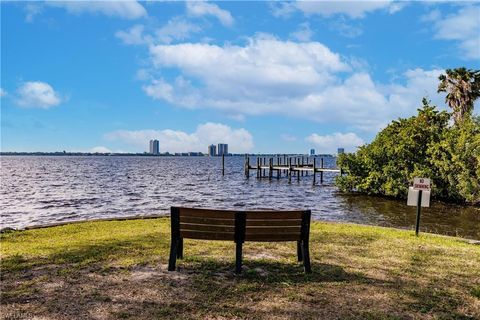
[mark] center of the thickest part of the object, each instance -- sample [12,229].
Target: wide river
[40,190]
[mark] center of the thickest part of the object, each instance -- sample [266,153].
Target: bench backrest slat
[206,213]
[240,225]
[274,215]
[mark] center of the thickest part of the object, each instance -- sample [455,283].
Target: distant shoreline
[183,154]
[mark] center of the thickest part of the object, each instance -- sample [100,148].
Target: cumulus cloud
[329,143]
[37,94]
[462,27]
[201,8]
[265,67]
[176,29]
[239,140]
[303,33]
[351,9]
[3,93]
[270,76]
[123,9]
[133,36]
[100,149]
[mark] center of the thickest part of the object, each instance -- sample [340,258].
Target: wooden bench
[239,226]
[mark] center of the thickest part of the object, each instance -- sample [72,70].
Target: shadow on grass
[269,272]
[141,248]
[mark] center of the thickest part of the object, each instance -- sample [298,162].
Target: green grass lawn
[117,270]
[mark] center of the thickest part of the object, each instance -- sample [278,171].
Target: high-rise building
[212,150]
[340,150]
[222,149]
[312,152]
[154,147]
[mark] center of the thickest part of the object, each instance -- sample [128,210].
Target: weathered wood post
[258,167]
[302,166]
[264,164]
[298,172]
[308,165]
[289,170]
[314,164]
[270,168]
[321,172]
[245,166]
[279,171]
[223,164]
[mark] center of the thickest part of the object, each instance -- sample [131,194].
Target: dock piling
[223,164]
[321,172]
[295,165]
[270,169]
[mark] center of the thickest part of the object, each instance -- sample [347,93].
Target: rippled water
[39,190]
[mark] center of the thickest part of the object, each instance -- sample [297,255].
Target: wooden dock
[297,166]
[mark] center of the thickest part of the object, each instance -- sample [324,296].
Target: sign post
[419,209]
[419,195]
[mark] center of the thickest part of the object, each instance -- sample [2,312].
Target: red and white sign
[421,184]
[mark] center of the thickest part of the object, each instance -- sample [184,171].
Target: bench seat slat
[272,238]
[273,230]
[206,227]
[193,234]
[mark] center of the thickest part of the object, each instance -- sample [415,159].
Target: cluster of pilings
[268,167]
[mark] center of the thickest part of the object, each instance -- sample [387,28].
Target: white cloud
[345,29]
[123,9]
[329,143]
[37,94]
[32,9]
[265,67]
[239,140]
[133,36]
[269,76]
[351,9]
[303,33]
[201,8]
[160,89]
[3,93]
[176,29]
[463,27]
[100,149]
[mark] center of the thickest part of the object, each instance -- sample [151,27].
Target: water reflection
[444,218]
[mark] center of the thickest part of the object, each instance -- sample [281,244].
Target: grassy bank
[117,269]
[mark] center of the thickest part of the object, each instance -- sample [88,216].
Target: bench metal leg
[238,259]
[180,249]
[306,257]
[299,251]
[173,255]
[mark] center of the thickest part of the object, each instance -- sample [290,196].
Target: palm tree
[463,88]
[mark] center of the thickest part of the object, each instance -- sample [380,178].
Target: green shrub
[425,145]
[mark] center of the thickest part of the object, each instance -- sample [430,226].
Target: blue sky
[274,77]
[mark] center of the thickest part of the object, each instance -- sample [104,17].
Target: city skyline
[291,77]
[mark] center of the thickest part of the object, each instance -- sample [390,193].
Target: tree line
[441,145]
